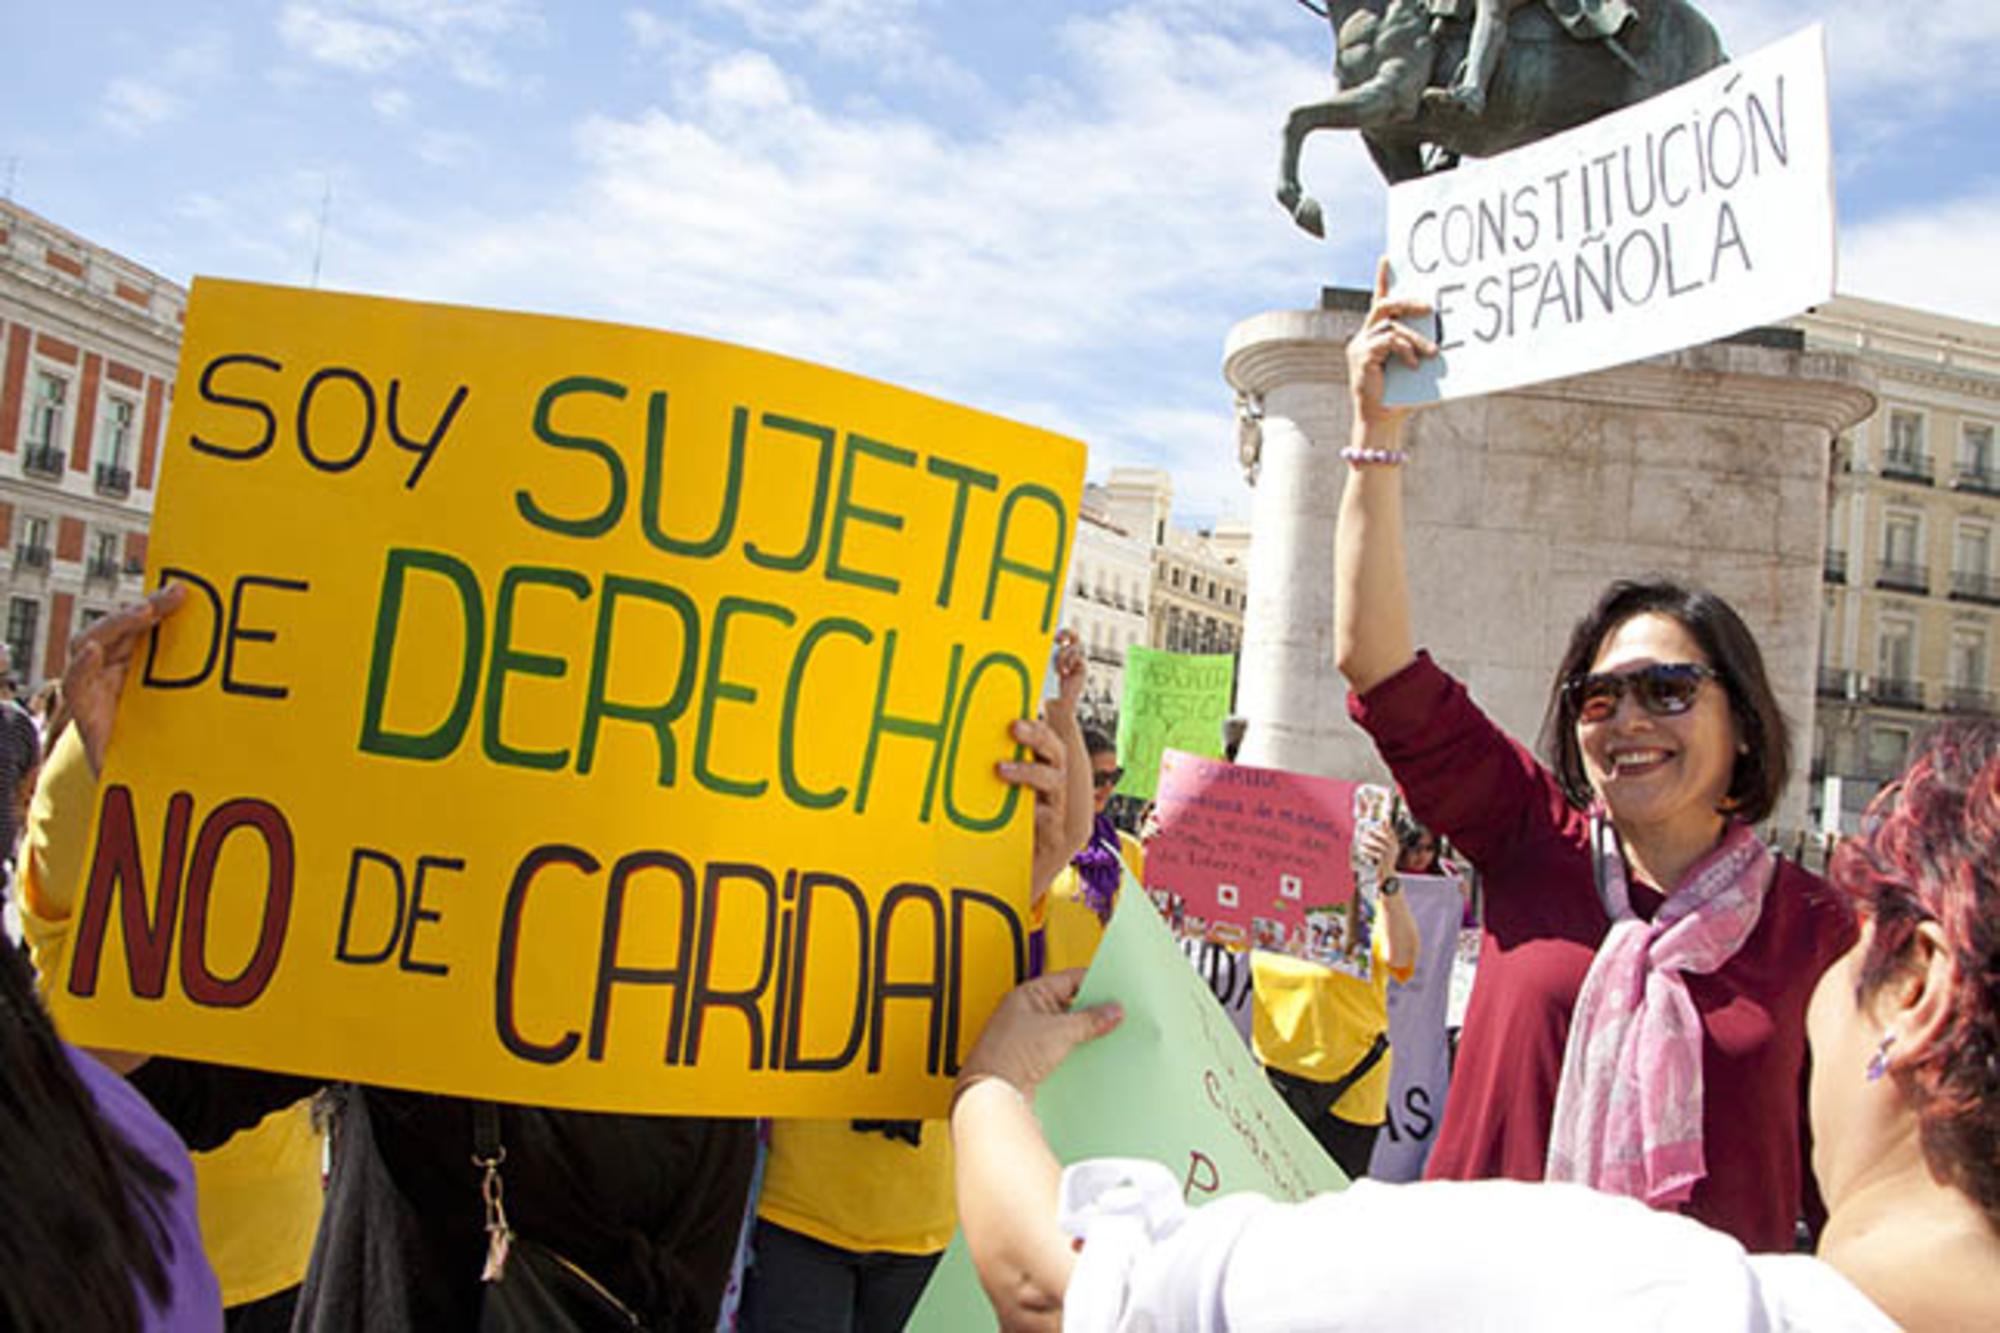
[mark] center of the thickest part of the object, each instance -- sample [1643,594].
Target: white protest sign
[1693,215]
[1420,1071]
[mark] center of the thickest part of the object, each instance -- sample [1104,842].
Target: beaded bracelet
[1392,457]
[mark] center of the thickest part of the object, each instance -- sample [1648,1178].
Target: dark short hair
[1758,778]
[1097,741]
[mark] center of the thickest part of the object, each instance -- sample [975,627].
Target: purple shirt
[194,1300]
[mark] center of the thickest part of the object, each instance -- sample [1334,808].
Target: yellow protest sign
[572,714]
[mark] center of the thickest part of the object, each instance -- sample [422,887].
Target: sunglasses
[1663,689]
[1107,777]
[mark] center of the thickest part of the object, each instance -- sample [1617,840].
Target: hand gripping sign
[571,714]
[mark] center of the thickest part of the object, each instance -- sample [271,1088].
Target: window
[1906,435]
[35,531]
[1888,747]
[1968,658]
[1975,448]
[1975,549]
[114,434]
[23,616]
[45,412]
[1177,578]
[1900,533]
[1896,650]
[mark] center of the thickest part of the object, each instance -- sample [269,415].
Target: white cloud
[1122,217]
[390,103]
[1901,257]
[131,105]
[888,35]
[374,36]
[1931,54]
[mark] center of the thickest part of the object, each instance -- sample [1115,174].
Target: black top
[650,1206]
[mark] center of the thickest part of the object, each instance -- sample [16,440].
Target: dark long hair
[1758,778]
[81,1231]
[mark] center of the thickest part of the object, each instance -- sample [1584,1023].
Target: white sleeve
[1491,1254]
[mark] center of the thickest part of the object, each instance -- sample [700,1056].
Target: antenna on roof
[7,190]
[319,234]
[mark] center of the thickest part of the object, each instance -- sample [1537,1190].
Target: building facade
[1199,578]
[1910,615]
[88,346]
[1111,575]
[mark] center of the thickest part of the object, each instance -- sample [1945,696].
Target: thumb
[1085,1025]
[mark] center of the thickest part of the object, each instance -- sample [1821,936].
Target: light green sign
[1174,1083]
[1171,701]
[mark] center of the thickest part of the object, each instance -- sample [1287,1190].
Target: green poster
[1172,701]
[1174,1083]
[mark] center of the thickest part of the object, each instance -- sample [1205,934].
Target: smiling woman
[1639,1019]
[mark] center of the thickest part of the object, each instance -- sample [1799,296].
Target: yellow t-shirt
[258,1195]
[860,1190]
[1070,930]
[1315,1023]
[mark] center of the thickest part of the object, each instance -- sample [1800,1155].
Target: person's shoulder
[1824,911]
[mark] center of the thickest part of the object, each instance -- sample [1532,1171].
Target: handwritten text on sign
[1171,700]
[572,714]
[1254,857]
[1693,215]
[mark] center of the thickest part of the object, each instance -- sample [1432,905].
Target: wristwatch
[1390,887]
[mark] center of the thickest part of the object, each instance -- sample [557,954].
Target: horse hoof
[1307,214]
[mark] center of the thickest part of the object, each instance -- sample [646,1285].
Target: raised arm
[1007,1178]
[1372,639]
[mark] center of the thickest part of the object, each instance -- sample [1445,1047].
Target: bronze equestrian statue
[1430,81]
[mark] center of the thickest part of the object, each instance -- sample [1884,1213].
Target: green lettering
[881,723]
[815,525]
[1049,575]
[797,791]
[660,717]
[614,505]
[967,478]
[844,508]
[715,689]
[656,466]
[957,816]
[506,661]
[444,738]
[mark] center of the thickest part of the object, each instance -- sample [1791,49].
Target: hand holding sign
[1383,335]
[98,660]
[1034,1029]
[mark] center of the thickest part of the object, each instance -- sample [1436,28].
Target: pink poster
[1259,858]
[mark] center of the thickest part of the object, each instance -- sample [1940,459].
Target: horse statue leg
[1387,98]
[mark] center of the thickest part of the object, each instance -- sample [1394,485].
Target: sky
[1050,209]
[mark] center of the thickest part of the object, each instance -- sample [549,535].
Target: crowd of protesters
[1634,1131]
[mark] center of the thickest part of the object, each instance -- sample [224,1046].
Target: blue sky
[1050,210]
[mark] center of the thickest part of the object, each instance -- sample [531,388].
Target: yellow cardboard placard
[572,714]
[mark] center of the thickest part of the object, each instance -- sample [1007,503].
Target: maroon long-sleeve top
[1468,780]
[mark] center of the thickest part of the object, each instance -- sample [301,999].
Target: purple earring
[1878,1063]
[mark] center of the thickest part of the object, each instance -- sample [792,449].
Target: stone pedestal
[1708,465]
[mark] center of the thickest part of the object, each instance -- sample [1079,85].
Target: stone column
[1708,465]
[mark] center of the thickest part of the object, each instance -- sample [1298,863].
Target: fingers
[1041,778]
[1059,987]
[1381,279]
[1040,737]
[117,634]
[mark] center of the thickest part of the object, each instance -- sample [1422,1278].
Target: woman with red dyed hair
[1905,1105]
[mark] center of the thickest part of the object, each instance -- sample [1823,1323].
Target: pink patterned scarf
[1628,1109]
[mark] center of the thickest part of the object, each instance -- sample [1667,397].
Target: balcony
[1967,586]
[1977,478]
[134,568]
[1965,699]
[31,557]
[43,461]
[1893,692]
[1835,566]
[114,481]
[101,570]
[1836,683]
[1900,577]
[1901,465]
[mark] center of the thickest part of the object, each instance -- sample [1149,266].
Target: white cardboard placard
[1690,216]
